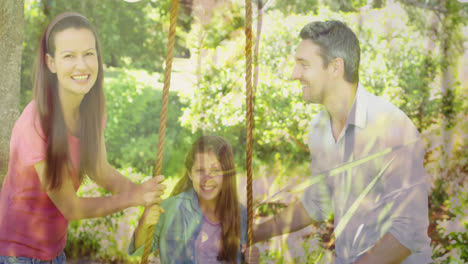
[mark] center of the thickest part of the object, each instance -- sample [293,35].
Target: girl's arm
[150,217]
[75,208]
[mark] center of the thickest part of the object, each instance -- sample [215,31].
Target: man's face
[311,72]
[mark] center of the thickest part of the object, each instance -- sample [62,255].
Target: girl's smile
[207,177]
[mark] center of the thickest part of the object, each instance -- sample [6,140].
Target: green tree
[133,112]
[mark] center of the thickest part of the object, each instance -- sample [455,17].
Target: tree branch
[416,3]
[299,143]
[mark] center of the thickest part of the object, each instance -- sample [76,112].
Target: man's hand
[388,250]
[251,254]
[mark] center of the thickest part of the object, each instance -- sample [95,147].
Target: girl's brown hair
[227,205]
[46,96]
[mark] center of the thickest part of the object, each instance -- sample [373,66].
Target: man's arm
[386,251]
[405,189]
[292,218]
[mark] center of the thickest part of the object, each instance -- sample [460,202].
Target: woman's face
[75,61]
[207,177]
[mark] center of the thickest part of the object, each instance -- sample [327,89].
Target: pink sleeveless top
[30,224]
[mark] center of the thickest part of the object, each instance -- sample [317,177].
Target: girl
[203,221]
[55,143]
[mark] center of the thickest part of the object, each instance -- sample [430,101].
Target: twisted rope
[249,115]
[162,120]
[257,45]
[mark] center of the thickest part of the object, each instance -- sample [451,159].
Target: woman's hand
[149,192]
[251,254]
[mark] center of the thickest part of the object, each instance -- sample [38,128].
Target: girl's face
[207,177]
[75,61]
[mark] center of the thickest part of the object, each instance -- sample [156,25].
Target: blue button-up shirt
[178,227]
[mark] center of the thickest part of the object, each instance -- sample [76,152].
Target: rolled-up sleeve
[406,188]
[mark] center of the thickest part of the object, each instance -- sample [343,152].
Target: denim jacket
[178,227]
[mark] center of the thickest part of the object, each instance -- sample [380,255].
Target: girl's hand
[151,215]
[149,218]
[149,192]
[251,254]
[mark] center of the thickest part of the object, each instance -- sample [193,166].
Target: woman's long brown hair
[227,205]
[92,109]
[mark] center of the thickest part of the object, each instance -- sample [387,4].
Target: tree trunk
[451,49]
[11,44]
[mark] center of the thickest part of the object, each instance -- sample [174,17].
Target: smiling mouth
[80,77]
[207,188]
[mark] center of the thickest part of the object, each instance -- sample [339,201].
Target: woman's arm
[75,208]
[108,177]
[113,181]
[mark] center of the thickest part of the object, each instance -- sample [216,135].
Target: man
[380,204]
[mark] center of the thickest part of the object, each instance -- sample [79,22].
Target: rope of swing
[163,117]
[249,115]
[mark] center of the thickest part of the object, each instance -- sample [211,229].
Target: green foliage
[307,250]
[224,22]
[269,209]
[219,107]
[454,230]
[405,78]
[35,22]
[296,6]
[133,113]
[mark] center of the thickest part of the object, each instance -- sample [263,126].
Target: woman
[57,141]
[203,221]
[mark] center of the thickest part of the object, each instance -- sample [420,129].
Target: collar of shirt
[357,116]
[191,196]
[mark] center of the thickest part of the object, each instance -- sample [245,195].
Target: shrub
[133,113]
